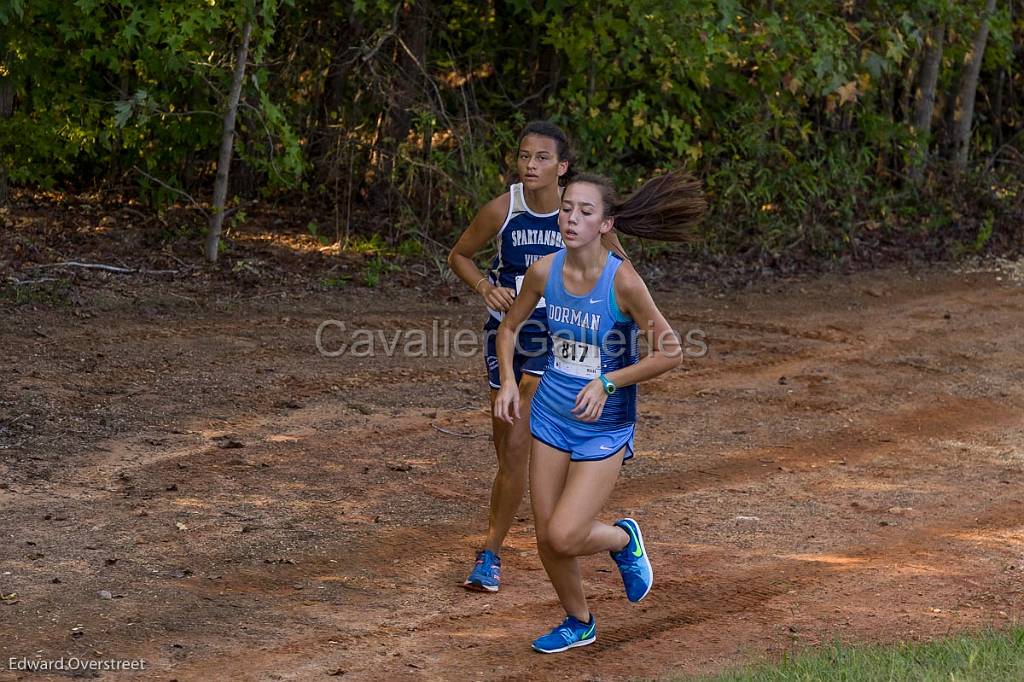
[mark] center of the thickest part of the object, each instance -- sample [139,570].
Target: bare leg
[512,444]
[566,498]
[548,470]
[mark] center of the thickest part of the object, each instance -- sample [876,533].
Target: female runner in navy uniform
[584,411]
[524,221]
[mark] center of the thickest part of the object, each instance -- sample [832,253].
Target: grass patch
[375,270]
[47,291]
[986,657]
[335,282]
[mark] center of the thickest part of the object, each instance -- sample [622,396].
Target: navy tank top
[524,238]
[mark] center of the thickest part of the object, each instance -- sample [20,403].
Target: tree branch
[173,189]
[100,266]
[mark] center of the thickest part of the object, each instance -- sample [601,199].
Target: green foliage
[105,86]
[410,248]
[11,10]
[375,270]
[238,219]
[981,239]
[313,229]
[374,244]
[335,282]
[405,114]
[788,114]
[984,234]
[281,160]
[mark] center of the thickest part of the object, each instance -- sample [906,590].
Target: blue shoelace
[565,630]
[632,569]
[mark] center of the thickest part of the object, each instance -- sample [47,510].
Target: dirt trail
[846,463]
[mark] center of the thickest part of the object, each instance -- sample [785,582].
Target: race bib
[577,358]
[519,287]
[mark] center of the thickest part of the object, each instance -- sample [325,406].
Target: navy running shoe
[571,633]
[486,575]
[634,566]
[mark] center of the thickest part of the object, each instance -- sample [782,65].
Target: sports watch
[609,387]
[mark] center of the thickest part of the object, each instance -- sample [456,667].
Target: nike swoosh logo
[589,632]
[592,301]
[605,447]
[638,552]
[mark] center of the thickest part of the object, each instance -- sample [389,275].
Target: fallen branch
[461,435]
[175,259]
[106,268]
[23,282]
[186,298]
[995,155]
[144,217]
[257,296]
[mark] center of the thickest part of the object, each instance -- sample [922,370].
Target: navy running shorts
[531,354]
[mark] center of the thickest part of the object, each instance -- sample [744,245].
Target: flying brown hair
[668,207]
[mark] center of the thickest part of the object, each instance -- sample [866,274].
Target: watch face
[609,388]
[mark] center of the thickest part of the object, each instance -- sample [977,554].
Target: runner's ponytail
[668,207]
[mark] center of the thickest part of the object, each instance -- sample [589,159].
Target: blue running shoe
[486,575]
[634,566]
[571,633]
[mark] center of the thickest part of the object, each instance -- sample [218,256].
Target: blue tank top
[589,335]
[524,238]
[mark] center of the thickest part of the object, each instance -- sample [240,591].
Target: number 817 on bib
[577,358]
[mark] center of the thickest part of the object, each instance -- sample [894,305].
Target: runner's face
[581,219]
[538,162]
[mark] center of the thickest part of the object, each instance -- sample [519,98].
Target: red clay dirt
[845,464]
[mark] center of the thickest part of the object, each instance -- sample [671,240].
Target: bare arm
[481,231]
[665,350]
[506,403]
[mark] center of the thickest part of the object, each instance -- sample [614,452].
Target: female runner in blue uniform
[584,411]
[524,221]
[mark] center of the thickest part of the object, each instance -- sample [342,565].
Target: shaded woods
[820,129]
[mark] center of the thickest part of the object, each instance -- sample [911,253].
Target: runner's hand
[590,401]
[498,298]
[506,404]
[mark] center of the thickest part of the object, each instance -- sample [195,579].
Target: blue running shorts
[584,442]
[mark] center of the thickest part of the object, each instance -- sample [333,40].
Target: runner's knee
[517,445]
[564,539]
[511,469]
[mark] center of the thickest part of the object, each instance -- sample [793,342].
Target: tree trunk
[543,81]
[546,70]
[964,106]
[326,130]
[924,99]
[410,70]
[227,141]
[997,111]
[6,111]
